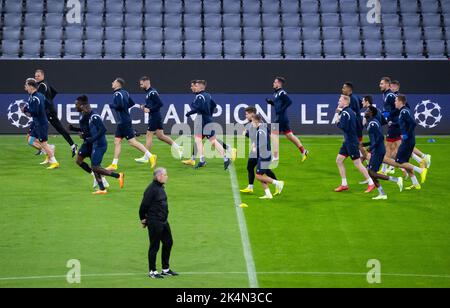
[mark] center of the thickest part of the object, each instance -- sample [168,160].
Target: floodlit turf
[307,237]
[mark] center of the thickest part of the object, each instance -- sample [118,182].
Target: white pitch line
[230,273]
[248,255]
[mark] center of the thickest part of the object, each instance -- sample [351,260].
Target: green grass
[307,237]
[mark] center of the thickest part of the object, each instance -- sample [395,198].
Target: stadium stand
[226,29]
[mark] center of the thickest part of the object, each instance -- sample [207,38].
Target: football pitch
[307,237]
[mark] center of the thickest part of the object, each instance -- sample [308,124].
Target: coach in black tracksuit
[153,213]
[52,114]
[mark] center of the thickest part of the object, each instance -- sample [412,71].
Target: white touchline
[248,255]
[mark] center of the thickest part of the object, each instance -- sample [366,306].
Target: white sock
[73,146]
[275,158]
[393,179]
[175,145]
[414,180]
[165,270]
[52,160]
[416,158]
[202,159]
[250,186]
[275,182]
[418,170]
[381,191]
[370,182]
[384,168]
[193,157]
[424,155]
[268,193]
[115,161]
[225,158]
[147,155]
[344,182]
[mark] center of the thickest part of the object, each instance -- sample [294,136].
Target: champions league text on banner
[309,114]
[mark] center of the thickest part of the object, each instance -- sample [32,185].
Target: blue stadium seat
[292,33]
[114,6]
[312,49]
[393,48]
[392,33]
[445,4]
[10,49]
[114,20]
[409,7]
[351,33]
[95,6]
[232,50]
[309,7]
[31,33]
[389,7]
[331,33]
[53,33]
[172,20]
[33,20]
[193,49]
[74,32]
[153,7]
[348,6]
[133,34]
[447,20]
[93,49]
[56,6]
[292,49]
[270,20]
[414,49]
[310,20]
[12,6]
[272,49]
[410,20]
[94,33]
[212,6]
[212,21]
[133,49]
[412,33]
[249,20]
[54,19]
[373,48]
[113,49]
[372,32]
[436,49]
[34,6]
[329,6]
[213,49]
[31,48]
[290,20]
[52,48]
[114,33]
[173,49]
[290,6]
[252,34]
[350,20]
[430,6]
[352,49]
[153,20]
[173,34]
[252,49]
[390,20]
[269,6]
[311,33]
[173,6]
[232,7]
[133,20]
[10,33]
[433,33]
[272,34]
[432,20]
[447,33]
[134,6]
[193,6]
[213,34]
[251,6]
[73,49]
[330,20]
[232,34]
[332,48]
[153,50]
[192,20]
[92,19]
[193,34]
[153,34]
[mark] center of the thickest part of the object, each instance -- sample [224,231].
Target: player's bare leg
[291,137]
[410,169]
[117,151]
[275,139]
[341,167]
[264,179]
[423,159]
[149,140]
[200,151]
[218,146]
[164,138]
[148,157]
[51,155]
